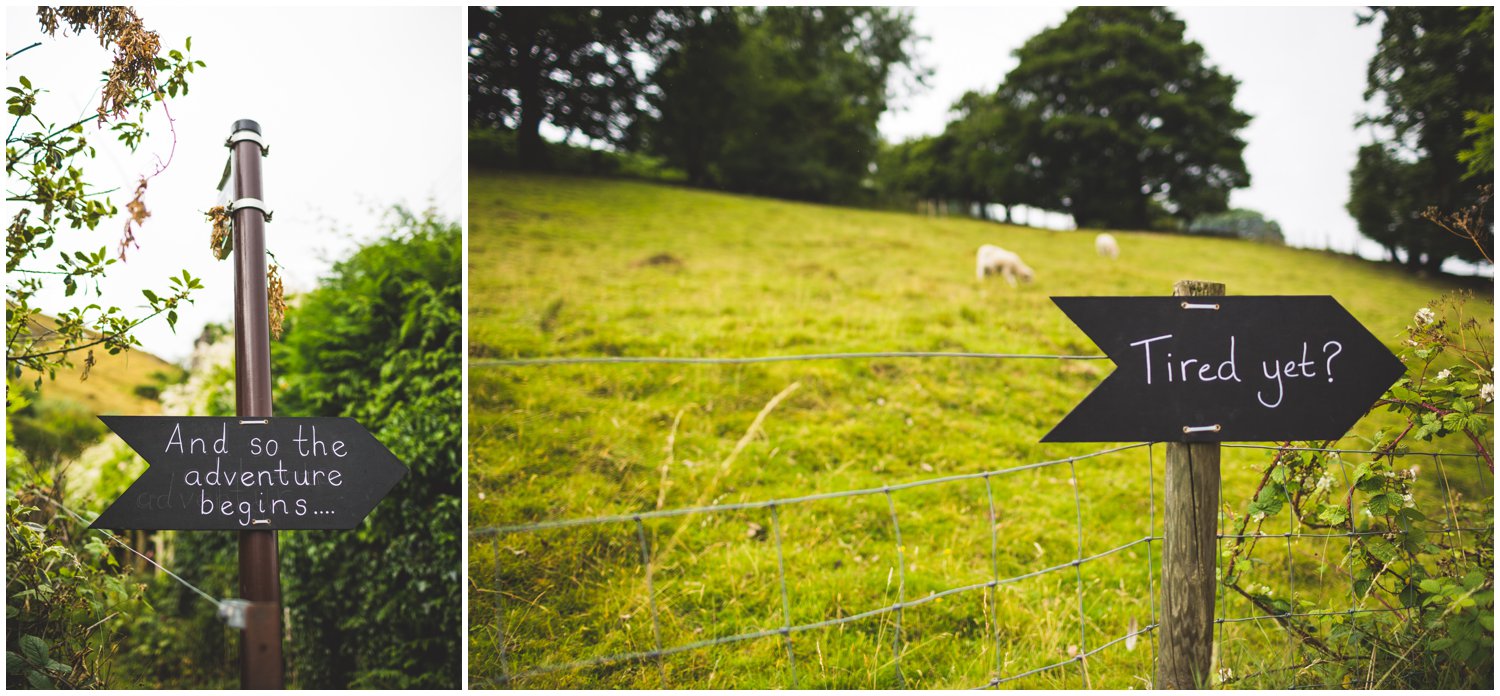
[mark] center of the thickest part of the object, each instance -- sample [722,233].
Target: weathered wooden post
[261,665]
[1189,548]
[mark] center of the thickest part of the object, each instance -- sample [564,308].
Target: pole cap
[246,124]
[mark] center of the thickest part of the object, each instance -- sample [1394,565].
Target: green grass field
[582,267]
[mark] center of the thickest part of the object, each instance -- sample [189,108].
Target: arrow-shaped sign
[250,473]
[1211,369]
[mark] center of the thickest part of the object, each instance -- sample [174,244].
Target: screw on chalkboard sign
[250,474]
[1217,369]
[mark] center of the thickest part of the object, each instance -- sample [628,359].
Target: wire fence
[510,674]
[787,630]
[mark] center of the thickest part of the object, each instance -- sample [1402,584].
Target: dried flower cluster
[134,66]
[275,300]
[135,216]
[221,243]
[1468,223]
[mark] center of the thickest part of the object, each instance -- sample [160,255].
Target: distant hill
[117,384]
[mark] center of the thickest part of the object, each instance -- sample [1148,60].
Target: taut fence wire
[121,542]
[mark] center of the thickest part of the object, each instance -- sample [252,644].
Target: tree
[1121,118]
[1383,203]
[573,68]
[381,341]
[782,101]
[700,101]
[1239,223]
[1432,67]
[45,172]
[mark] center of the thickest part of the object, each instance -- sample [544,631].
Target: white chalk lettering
[1272,371]
[1147,343]
[175,438]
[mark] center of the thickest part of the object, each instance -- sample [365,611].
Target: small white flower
[1406,501]
[1487,392]
[1425,316]
[1258,516]
[1324,483]
[1444,374]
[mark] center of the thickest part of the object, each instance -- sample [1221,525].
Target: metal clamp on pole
[254,203]
[1190,305]
[1187,429]
[252,136]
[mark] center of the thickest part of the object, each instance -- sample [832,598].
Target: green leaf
[34,649]
[13,663]
[1333,514]
[25,82]
[1381,548]
[40,680]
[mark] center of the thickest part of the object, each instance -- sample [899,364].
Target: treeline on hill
[1112,116]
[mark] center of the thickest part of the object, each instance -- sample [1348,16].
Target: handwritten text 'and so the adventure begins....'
[270,473]
[1225,368]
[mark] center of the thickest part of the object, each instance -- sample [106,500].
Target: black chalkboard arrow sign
[1212,369]
[250,473]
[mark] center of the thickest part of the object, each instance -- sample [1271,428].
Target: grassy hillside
[117,384]
[580,267]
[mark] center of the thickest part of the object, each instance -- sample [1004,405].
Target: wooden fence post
[1189,550]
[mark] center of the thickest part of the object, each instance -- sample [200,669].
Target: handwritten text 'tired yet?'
[255,479]
[1162,366]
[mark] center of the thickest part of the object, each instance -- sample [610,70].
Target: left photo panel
[234,347]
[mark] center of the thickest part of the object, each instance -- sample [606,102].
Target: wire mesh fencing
[839,588]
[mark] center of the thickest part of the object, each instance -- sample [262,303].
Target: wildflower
[1324,483]
[1445,374]
[1424,317]
[1487,392]
[1406,501]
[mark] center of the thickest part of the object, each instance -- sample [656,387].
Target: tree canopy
[782,101]
[576,69]
[1121,118]
[1433,72]
[778,101]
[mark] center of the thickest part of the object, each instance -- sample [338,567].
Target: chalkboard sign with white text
[250,473]
[1213,369]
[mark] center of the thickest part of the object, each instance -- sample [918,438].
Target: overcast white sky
[362,108]
[1302,78]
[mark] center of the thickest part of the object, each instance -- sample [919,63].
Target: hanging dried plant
[136,214]
[221,243]
[134,66]
[275,300]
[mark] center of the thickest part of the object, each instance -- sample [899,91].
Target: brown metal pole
[1189,548]
[261,665]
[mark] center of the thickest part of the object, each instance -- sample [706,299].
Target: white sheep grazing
[1106,245]
[993,259]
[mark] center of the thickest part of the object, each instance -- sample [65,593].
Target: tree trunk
[530,151]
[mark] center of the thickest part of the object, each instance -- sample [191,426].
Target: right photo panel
[1017,348]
